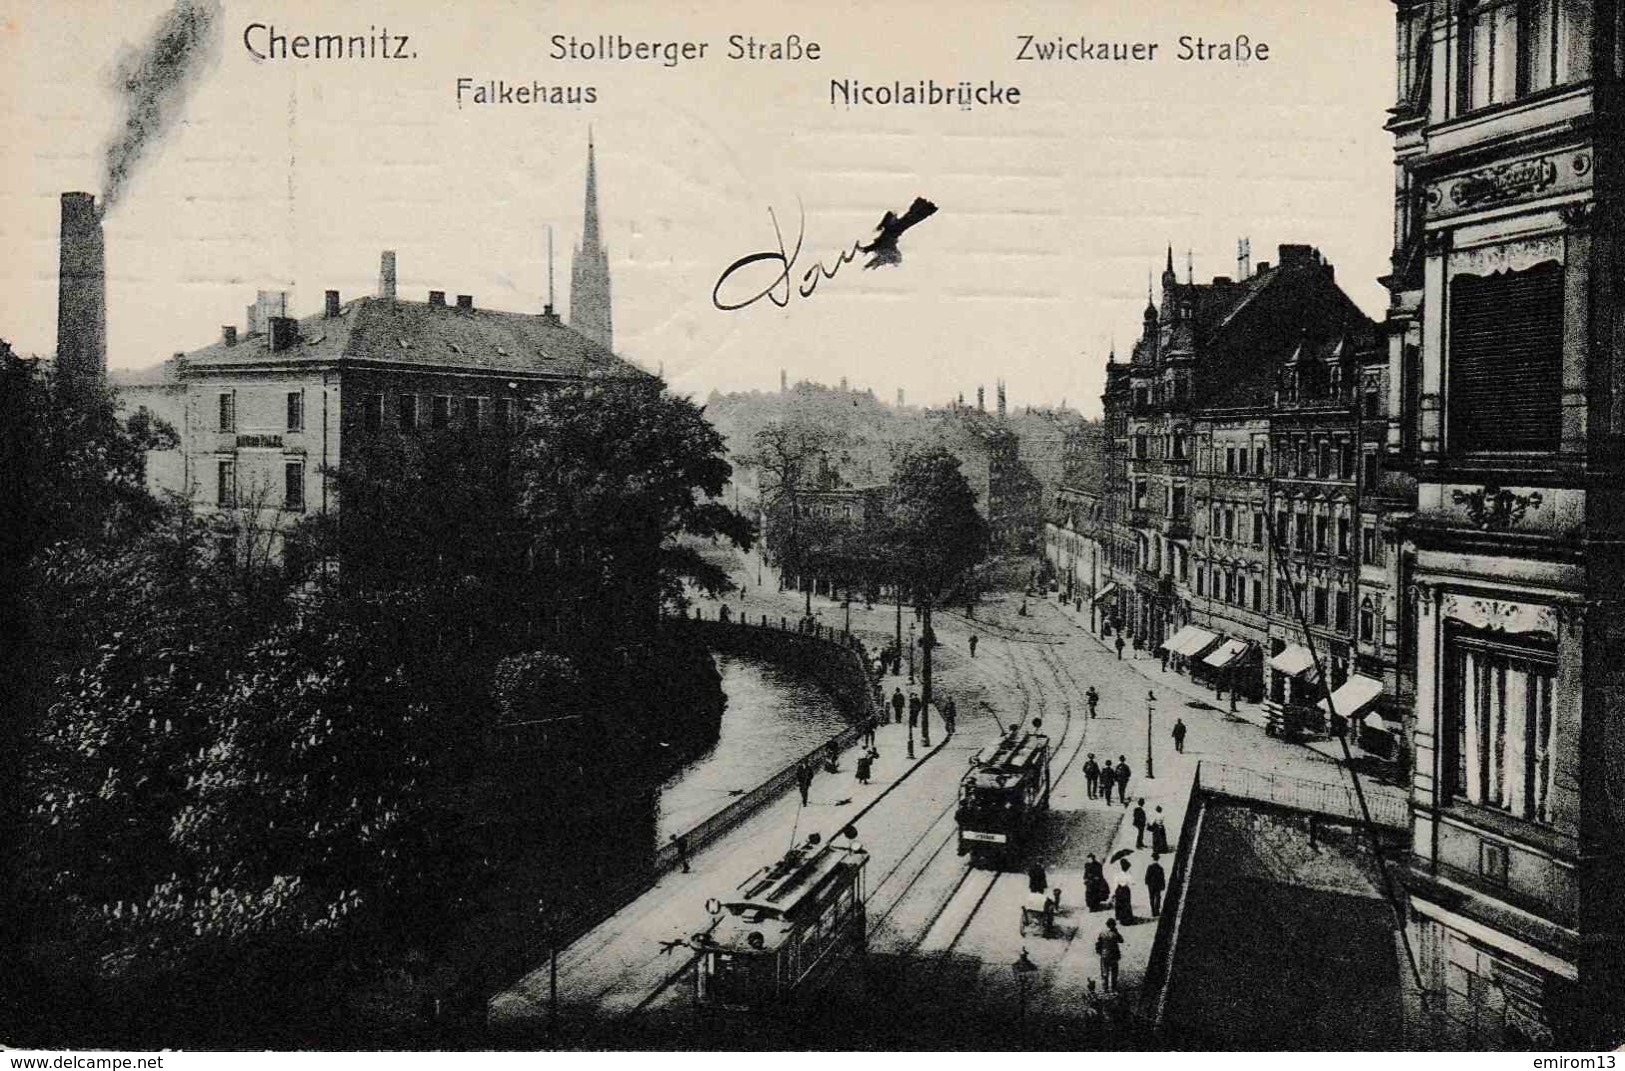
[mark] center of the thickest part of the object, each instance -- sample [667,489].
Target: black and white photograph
[701,530]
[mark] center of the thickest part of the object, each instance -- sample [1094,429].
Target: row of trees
[925,542]
[234,780]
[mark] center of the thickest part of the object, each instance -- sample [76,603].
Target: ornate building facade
[1506,351]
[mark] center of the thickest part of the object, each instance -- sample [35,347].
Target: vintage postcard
[780,527]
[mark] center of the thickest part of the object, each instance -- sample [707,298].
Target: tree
[787,455]
[618,477]
[934,536]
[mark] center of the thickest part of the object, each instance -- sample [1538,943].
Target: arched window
[1368,620]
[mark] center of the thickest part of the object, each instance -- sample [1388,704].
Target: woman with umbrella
[1123,895]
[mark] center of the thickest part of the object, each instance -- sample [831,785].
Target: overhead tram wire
[1390,893]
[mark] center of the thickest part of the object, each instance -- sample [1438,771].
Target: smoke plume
[154,82]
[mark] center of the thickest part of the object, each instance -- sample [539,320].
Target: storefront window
[1501,726]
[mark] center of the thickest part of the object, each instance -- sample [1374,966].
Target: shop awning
[1105,592]
[1190,640]
[1226,653]
[1294,660]
[1354,697]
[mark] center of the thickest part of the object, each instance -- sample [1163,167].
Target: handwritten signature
[882,250]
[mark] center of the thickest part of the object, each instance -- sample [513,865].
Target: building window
[1368,546]
[293,485]
[1139,494]
[1500,706]
[504,412]
[372,413]
[1139,446]
[1303,531]
[1230,524]
[1258,529]
[1341,607]
[440,411]
[1371,470]
[1230,460]
[1342,537]
[408,409]
[1241,461]
[1241,589]
[1323,460]
[1258,459]
[1179,446]
[1201,579]
[1322,529]
[1177,505]
[296,410]
[474,412]
[1368,620]
[1319,604]
[1510,49]
[1504,381]
[1283,600]
[1345,458]
[228,411]
[225,488]
[1258,594]
[1303,458]
[1372,411]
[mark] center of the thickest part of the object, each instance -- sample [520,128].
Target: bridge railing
[1301,794]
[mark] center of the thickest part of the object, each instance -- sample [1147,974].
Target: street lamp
[1150,705]
[911,652]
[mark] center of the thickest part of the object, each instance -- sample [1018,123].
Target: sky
[289,174]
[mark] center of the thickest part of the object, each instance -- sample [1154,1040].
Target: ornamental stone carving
[1499,616]
[1504,182]
[1495,509]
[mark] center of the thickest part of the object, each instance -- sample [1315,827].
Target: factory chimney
[81,312]
[386,275]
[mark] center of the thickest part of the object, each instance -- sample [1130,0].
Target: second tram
[1003,796]
[795,921]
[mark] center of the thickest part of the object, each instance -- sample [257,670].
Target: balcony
[1176,527]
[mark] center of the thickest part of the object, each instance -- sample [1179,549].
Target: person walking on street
[1123,896]
[866,763]
[1094,884]
[804,779]
[1109,947]
[1159,833]
[1091,775]
[1094,699]
[1123,774]
[1155,882]
[869,733]
[897,704]
[1165,660]
[1120,646]
[681,844]
[1179,735]
[973,645]
[913,710]
[950,713]
[1139,824]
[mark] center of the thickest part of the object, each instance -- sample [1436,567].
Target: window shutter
[1506,360]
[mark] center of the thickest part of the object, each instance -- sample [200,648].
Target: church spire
[1169,279]
[589,225]
[589,269]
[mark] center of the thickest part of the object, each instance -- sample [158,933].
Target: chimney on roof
[1296,256]
[386,275]
[1263,266]
[229,333]
[1001,399]
[981,403]
[331,308]
[465,302]
[267,303]
[437,298]
[81,312]
[1244,257]
[1221,280]
[784,381]
[284,331]
[899,397]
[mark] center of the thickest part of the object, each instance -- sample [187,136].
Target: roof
[443,337]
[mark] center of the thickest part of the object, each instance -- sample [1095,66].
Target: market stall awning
[1354,697]
[1226,653]
[1294,660]
[1173,642]
[1105,592]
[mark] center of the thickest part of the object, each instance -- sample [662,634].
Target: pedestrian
[1120,646]
[1094,884]
[1159,833]
[897,704]
[1165,659]
[681,843]
[1091,775]
[1123,774]
[913,710]
[973,645]
[866,765]
[1123,896]
[1232,698]
[1179,735]
[1155,882]
[869,733]
[804,779]
[1037,879]
[1139,824]
[852,843]
[1109,947]
[950,714]
[1094,699]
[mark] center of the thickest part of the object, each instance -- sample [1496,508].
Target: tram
[1003,795]
[793,923]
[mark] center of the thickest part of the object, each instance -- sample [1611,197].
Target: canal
[772,717]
